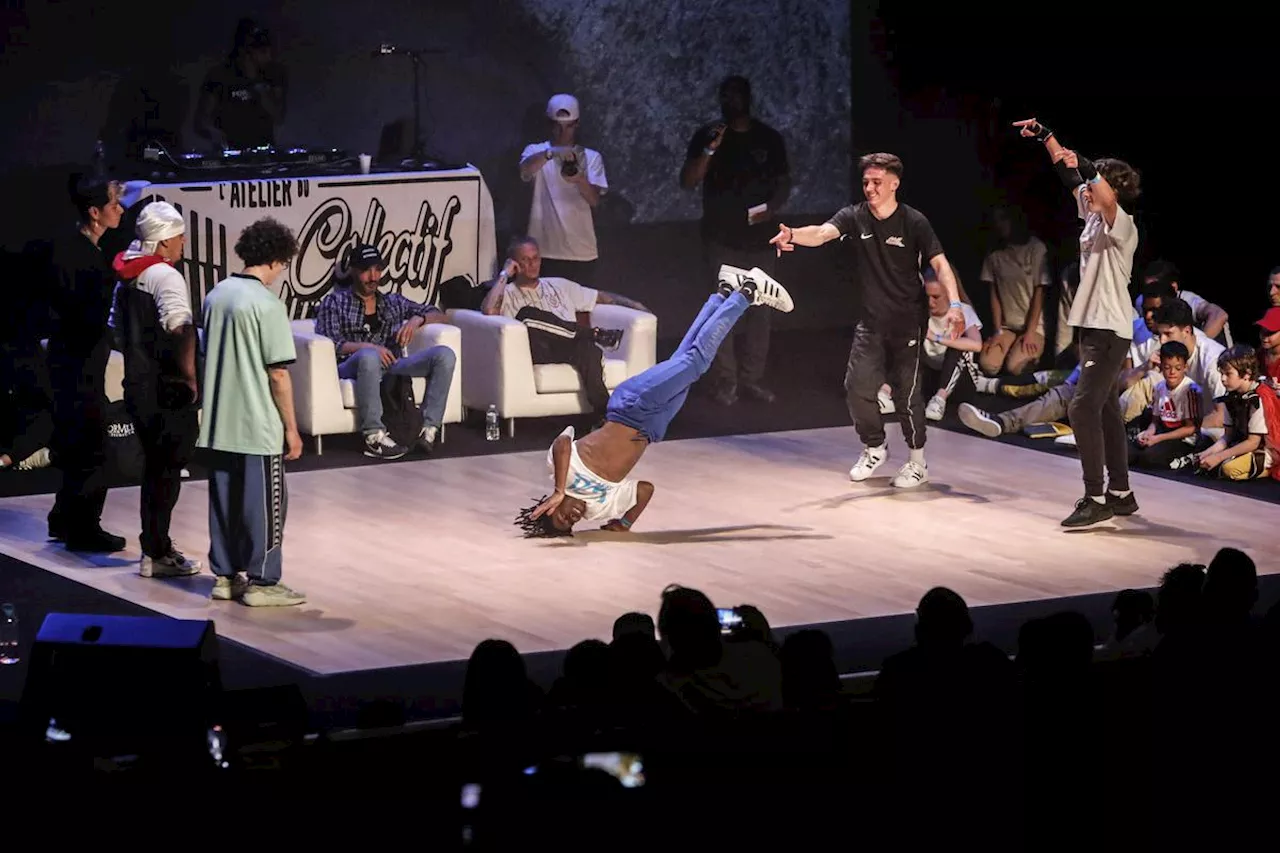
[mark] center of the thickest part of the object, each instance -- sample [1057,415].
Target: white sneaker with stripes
[910,475]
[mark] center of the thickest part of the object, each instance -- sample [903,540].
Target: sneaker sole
[869,474]
[251,600]
[970,417]
[915,485]
[1124,513]
[150,572]
[225,595]
[387,456]
[1107,517]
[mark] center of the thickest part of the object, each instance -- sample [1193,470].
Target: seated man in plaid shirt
[370,331]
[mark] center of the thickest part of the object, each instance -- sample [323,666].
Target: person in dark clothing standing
[155,329]
[741,165]
[79,346]
[243,100]
[890,241]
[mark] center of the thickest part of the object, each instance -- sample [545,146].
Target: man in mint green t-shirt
[248,423]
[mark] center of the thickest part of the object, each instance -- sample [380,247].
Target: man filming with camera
[568,181]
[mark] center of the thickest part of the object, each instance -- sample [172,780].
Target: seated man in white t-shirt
[951,370]
[1018,275]
[558,314]
[591,474]
[568,182]
[1160,275]
[1173,321]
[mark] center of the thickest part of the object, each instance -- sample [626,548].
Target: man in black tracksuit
[79,346]
[891,242]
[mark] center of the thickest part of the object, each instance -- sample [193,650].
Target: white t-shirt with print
[560,218]
[1202,367]
[935,352]
[557,296]
[1106,264]
[1183,403]
[1016,272]
[604,499]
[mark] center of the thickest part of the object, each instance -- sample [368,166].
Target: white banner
[429,226]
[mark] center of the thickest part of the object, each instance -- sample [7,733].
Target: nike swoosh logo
[866,236]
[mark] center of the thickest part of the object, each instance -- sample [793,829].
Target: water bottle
[492,425]
[9,652]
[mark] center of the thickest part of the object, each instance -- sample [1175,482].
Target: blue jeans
[648,401]
[434,364]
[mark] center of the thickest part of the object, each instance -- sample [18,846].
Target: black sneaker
[1126,505]
[95,542]
[379,445]
[427,445]
[1089,512]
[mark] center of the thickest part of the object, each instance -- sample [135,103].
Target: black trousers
[745,353]
[556,341]
[1095,415]
[27,402]
[79,438]
[579,272]
[168,438]
[889,352]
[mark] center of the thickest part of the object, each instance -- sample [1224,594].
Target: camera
[730,620]
[569,168]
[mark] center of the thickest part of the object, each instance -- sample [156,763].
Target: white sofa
[325,404]
[497,368]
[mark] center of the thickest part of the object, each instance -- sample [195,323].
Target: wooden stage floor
[416,562]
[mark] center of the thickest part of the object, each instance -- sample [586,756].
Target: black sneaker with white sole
[979,421]
[380,445]
[1126,505]
[1089,512]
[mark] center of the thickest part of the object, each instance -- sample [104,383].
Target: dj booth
[430,225]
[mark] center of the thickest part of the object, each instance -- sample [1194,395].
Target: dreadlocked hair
[538,528]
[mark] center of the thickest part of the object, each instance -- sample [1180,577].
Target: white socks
[917,456]
[1123,494]
[429,434]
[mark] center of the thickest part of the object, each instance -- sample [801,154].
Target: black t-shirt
[744,172]
[372,324]
[889,254]
[238,110]
[81,290]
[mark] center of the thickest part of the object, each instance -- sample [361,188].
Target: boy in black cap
[370,331]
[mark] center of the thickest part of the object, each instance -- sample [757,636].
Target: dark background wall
[1188,104]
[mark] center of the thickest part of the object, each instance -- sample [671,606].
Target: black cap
[365,257]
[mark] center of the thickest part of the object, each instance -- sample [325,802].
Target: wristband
[624,523]
[1087,170]
[1043,133]
[957,304]
[709,151]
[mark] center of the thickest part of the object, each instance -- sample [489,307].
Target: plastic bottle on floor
[492,424]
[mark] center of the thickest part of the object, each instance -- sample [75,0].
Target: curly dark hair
[266,242]
[1122,177]
[541,527]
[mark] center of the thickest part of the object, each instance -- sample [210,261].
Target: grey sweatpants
[247,507]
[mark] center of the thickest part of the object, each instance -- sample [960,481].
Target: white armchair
[498,369]
[325,404]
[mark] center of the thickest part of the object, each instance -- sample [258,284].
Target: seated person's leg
[364,367]
[1137,398]
[1249,466]
[1018,361]
[436,365]
[994,352]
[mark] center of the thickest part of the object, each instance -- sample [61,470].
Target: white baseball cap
[562,108]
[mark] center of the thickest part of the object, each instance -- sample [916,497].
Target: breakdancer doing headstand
[590,474]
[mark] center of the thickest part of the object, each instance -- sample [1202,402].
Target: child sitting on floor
[1242,452]
[1174,432]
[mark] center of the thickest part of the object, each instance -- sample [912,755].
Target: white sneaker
[979,421]
[935,408]
[278,595]
[732,276]
[171,565]
[769,292]
[885,399]
[986,385]
[39,459]
[871,459]
[911,475]
[229,589]
[1066,440]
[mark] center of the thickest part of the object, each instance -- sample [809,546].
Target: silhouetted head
[754,625]
[1273,286]
[634,623]
[735,97]
[1057,645]
[1230,586]
[942,619]
[1178,599]
[809,675]
[97,202]
[496,685]
[1131,610]
[1010,225]
[688,624]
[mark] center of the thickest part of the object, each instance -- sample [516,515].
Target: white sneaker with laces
[979,421]
[732,276]
[911,475]
[171,565]
[39,459]
[871,459]
[986,385]
[935,408]
[770,292]
[885,399]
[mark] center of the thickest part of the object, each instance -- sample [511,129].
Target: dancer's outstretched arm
[788,238]
[1073,169]
[644,493]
